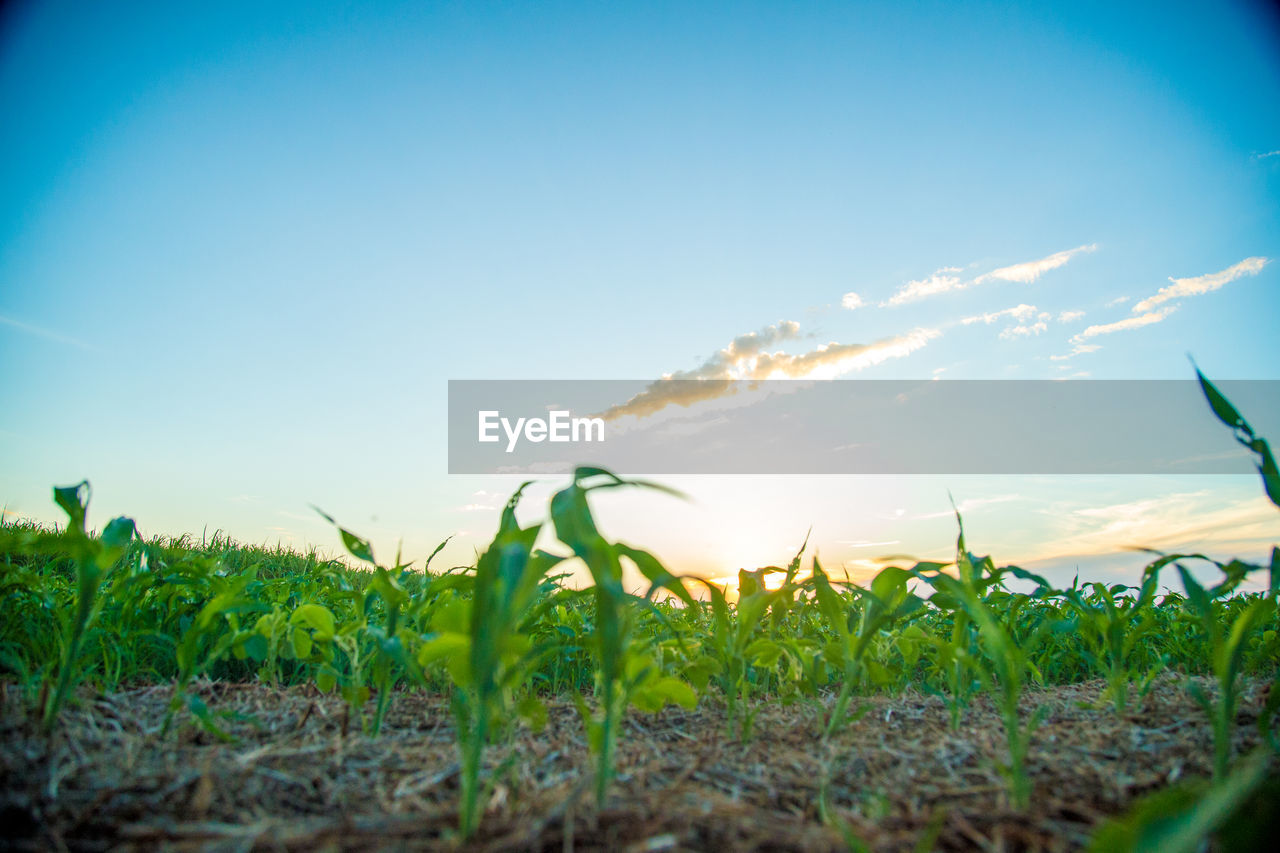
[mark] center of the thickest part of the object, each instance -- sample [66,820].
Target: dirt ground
[895,779]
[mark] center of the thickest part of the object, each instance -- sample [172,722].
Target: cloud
[851,301]
[1021,313]
[1175,522]
[745,358]
[1124,325]
[43,333]
[1078,349]
[1119,300]
[968,506]
[1031,270]
[1018,312]
[1070,316]
[1023,331]
[940,282]
[945,279]
[1267,154]
[1182,287]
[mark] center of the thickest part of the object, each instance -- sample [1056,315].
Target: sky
[244,246]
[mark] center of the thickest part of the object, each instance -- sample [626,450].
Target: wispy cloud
[44,333]
[968,506]
[941,281]
[1078,349]
[946,279]
[852,301]
[1267,154]
[1014,332]
[1070,316]
[746,358]
[1172,522]
[1031,270]
[1119,300]
[1183,287]
[1018,312]
[1125,324]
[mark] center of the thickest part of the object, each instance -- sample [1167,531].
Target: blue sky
[243,248]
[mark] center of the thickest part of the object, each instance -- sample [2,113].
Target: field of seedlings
[185,695]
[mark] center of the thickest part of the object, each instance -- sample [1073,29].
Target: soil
[301,775]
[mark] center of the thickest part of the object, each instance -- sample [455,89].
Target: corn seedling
[93,558]
[1112,622]
[614,609]
[857,621]
[1007,661]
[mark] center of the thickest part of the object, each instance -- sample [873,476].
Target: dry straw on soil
[302,777]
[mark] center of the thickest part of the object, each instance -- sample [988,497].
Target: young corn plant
[734,647]
[1228,639]
[1228,636]
[486,650]
[206,640]
[94,557]
[954,652]
[1112,622]
[1007,661]
[617,677]
[391,640]
[856,623]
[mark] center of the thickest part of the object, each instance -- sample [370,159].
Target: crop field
[192,695]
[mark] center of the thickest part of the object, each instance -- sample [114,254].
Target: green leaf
[454,649]
[1267,468]
[453,616]
[532,710]
[356,694]
[255,646]
[357,547]
[1227,413]
[316,617]
[1180,819]
[119,533]
[655,572]
[889,582]
[301,642]
[763,652]
[202,714]
[74,501]
[326,680]
[1196,594]
[675,691]
[1221,406]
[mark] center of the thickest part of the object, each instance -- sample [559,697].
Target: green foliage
[93,558]
[1244,434]
[502,634]
[858,620]
[622,671]
[1114,621]
[1181,818]
[1009,634]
